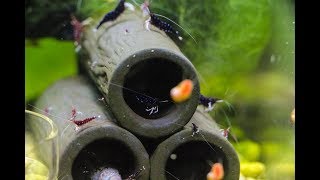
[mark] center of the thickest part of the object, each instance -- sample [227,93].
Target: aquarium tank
[243,55]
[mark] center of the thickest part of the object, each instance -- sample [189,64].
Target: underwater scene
[160,89]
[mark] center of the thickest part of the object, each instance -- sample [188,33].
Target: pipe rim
[110,132]
[162,126]
[160,156]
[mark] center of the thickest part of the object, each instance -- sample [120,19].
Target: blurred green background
[244,54]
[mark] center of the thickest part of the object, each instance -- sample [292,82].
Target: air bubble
[173,156]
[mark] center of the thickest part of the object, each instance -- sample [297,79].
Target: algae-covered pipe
[94,149]
[135,70]
[190,157]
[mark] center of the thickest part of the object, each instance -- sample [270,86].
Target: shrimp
[77,29]
[195,129]
[208,102]
[157,22]
[112,15]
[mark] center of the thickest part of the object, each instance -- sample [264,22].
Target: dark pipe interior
[193,161]
[151,144]
[103,153]
[150,82]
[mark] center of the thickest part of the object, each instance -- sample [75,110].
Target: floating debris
[216,173]
[182,91]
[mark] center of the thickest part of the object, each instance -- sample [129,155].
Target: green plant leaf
[46,61]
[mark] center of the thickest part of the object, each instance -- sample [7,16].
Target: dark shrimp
[149,101]
[112,15]
[162,25]
[151,104]
[156,21]
[208,102]
[195,129]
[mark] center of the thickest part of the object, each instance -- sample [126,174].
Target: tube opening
[193,161]
[101,154]
[147,87]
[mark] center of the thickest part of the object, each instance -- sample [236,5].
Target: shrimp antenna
[234,137]
[228,121]
[79,3]
[201,78]
[45,112]
[131,90]
[54,130]
[135,2]
[177,25]
[172,175]
[229,105]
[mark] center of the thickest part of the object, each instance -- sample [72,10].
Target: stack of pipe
[126,74]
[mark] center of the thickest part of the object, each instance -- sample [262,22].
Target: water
[246,58]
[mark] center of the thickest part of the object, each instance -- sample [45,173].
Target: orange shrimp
[216,173]
[182,91]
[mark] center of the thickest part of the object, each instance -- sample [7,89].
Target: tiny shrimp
[225,132]
[162,25]
[77,29]
[145,8]
[112,15]
[195,129]
[157,22]
[152,104]
[208,102]
[81,122]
